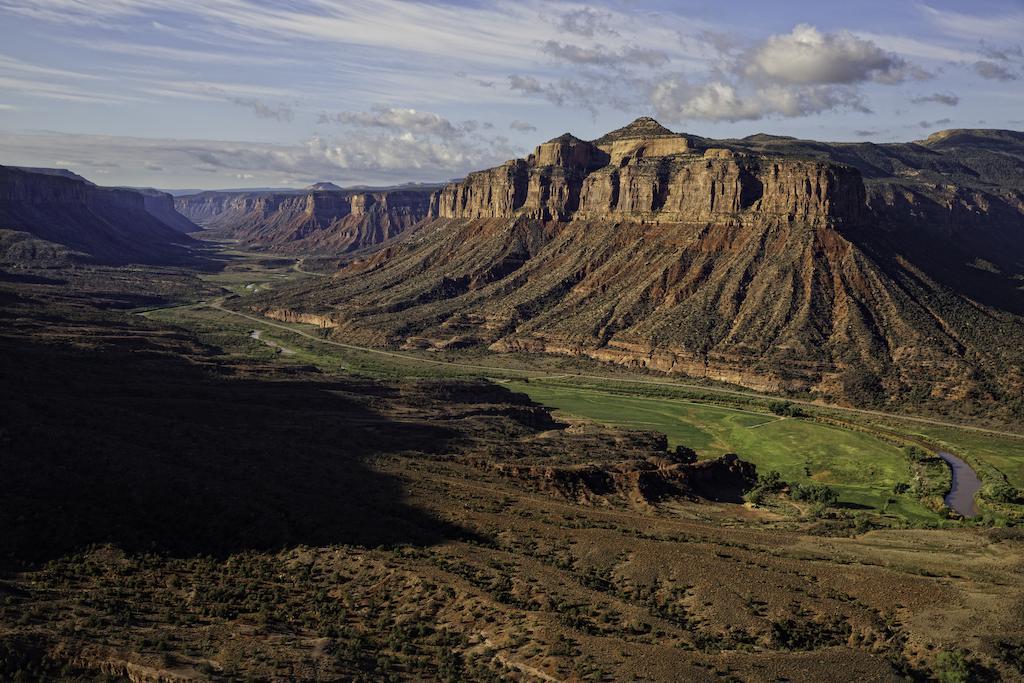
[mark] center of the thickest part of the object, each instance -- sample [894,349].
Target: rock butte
[857,271]
[644,171]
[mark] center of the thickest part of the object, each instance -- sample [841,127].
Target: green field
[862,469]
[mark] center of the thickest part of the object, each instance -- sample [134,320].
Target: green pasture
[862,469]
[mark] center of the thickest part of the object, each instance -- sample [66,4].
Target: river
[965,484]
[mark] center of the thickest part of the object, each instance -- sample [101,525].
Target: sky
[254,93]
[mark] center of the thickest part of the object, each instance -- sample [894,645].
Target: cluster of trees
[768,483]
[772,483]
[786,409]
[814,493]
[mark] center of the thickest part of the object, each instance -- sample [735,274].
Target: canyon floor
[187,500]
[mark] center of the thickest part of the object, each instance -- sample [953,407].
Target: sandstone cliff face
[765,262]
[308,222]
[161,205]
[109,224]
[492,193]
[663,178]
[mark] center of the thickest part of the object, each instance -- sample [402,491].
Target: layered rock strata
[319,221]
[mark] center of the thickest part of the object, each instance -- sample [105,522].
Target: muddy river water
[965,484]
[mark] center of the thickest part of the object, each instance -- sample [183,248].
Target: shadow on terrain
[845,505]
[151,451]
[946,256]
[28,278]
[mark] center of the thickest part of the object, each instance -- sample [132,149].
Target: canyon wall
[108,224]
[660,179]
[319,221]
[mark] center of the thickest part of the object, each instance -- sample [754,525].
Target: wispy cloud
[946,98]
[265,110]
[13,65]
[1006,25]
[994,72]
[425,90]
[522,126]
[918,48]
[58,91]
[179,54]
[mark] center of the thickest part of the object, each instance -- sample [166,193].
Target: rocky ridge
[645,172]
[108,224]
[312,221]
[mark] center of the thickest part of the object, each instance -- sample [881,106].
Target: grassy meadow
[861,468]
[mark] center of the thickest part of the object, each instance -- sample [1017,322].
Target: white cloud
[800,73]
[677,100]
[384,158]
[806,56]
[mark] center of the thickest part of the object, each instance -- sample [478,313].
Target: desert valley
[642,407]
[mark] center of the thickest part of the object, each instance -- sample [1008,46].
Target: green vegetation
[861,470]
[858,457]
[993,456]
[187,516]
[956,666]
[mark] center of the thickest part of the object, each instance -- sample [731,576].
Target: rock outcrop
[641,482]
[646,172]
[161,205]
[310,222]
[112,225]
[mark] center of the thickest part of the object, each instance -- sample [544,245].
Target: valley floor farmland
[863,470]
[857,453]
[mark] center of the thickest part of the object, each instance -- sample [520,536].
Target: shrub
[1001,492]
[786,409]
[771,482]
[953,667]
[815,493]
[914,453]
[766,484]
[685,455]
[862,385]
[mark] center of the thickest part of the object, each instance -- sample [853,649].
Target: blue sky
[236,93]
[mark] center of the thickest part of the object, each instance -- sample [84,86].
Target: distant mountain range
[862,272]
[321,219]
